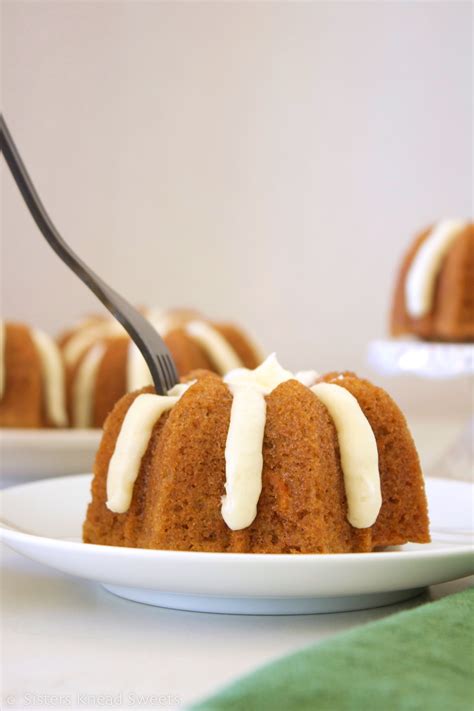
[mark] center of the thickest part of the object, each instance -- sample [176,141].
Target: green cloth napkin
[420,660]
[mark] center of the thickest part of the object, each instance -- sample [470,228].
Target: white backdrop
[266,162]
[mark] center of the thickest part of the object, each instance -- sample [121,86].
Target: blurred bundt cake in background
[102,363]
[32,392]
[434,292]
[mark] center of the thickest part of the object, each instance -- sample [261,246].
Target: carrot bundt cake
[102,363]
[32,392]
[260,461]
[434,293]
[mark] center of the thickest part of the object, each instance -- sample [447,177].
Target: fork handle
[126,314]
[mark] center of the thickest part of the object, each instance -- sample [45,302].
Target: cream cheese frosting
[307,377]
[358,451]
[2,358]
[243,451]
[243,456]
[52,372]
[264,378]
[132,443]
[421,276]
[219,351]
[83,387]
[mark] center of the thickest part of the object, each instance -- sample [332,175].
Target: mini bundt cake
[32,392]
[103,364]
[260,461]
[434,293]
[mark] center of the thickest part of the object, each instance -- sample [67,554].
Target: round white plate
[26,455]
[423,358]
[43,521]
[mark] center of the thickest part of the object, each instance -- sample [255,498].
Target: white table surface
[63,637]
[70,638]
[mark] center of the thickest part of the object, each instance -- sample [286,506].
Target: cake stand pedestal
[441,361]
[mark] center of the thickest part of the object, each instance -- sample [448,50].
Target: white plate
[26,455]
[43,521]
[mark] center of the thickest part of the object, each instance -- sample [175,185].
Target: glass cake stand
[441,361]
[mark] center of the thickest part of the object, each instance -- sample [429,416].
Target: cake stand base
[458,461]
[440,361]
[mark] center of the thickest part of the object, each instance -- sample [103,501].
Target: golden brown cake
[102,363]
[434,292]
[261,461]
[32,392]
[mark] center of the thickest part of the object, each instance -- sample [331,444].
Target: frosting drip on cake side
[132,444]
[52,373]
[83,386]
[243,457]
[243,451]
[421,276]
[2,358]
[218,350]
[358,451]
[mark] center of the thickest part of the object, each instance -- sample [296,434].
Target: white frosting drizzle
[2,358]
[243,457]
[421,276]
[220,352]
[358,451]
[88,335]
[83,386]
[243,451]
[132,444]
[265,378]
[307,377]
[52,373]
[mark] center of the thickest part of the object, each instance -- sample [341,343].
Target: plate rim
[17,433]
[9,533]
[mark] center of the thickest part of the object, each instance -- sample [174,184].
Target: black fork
[149,342]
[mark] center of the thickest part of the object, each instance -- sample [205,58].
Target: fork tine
[169,371]
[164,367]
[175,373]
[169,374]
[174,370]
[162,373]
